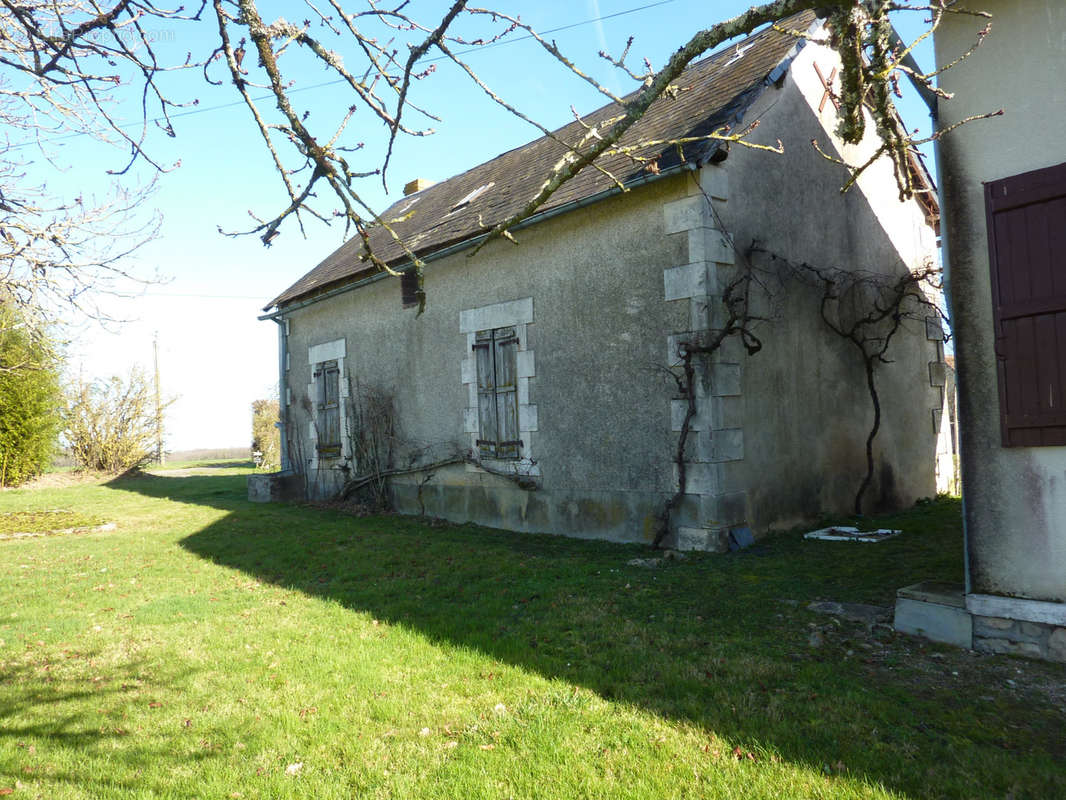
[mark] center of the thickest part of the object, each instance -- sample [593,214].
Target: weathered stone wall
[601,296]
[1019,638]
[806,408]
[599,326]
[1015,497]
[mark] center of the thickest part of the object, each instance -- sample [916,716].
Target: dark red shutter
[1027,252]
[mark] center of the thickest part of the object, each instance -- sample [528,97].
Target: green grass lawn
[213,648]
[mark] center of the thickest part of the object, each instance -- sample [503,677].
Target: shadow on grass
[722,642]
[85,718]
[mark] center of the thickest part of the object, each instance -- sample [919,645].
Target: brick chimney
[417,185]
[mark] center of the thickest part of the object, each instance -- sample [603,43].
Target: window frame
[516,313]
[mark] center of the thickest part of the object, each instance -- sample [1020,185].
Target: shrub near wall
[266,438]
[111,425]
[30,397]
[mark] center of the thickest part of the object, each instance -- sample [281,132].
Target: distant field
[64,463]
[210,454]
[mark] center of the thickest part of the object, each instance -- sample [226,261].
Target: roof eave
[354,281]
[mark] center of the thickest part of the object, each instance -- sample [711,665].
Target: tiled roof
[712,92]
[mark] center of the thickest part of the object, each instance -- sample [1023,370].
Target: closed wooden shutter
[506,349]
[496,353]
[327,380]
[1027,252]
[486,393]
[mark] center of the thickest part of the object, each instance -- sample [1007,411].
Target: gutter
[283,404]
[688,166]
[932,101]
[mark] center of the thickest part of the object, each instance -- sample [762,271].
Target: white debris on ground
[849,534]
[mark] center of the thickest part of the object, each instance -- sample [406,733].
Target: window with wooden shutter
[1027,252]
[495,352]
[328,419]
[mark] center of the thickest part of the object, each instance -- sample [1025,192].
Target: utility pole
[160,455]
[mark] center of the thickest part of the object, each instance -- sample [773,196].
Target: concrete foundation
[273,487]
[934,611]
[943,613]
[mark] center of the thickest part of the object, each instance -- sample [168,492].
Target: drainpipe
[283,406]
[932,101]
[945,262]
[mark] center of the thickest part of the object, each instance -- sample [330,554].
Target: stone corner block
[685,214]
[689,280]
[937,373]
[678,412]
[710,245]
[701,478]
[705,539]
[714,180]
[720,445]
[725,380]
[934,330]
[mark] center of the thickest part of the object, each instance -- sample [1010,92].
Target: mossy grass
[214,648]
[47,521]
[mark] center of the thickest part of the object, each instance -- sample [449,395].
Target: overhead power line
[223,106]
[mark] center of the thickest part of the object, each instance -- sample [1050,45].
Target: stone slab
[947,624]
[990,605]
[946,594]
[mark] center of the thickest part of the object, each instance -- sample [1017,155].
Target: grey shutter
[486,394]
[505,346]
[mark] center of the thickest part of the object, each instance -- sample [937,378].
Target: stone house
[1004,199]
[547,363]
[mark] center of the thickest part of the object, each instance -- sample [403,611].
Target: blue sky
[215,356]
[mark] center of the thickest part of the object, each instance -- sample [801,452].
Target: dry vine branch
[736,297]
[866,309]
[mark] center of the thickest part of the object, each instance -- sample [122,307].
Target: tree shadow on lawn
[61,718]
[722,642]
